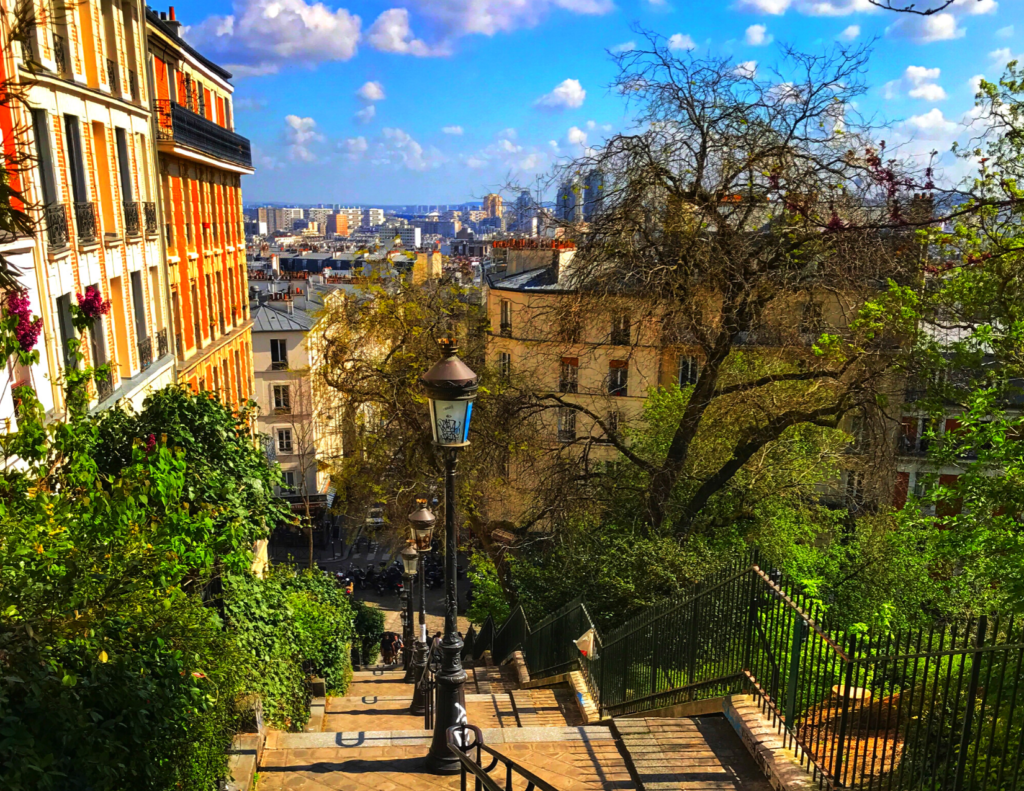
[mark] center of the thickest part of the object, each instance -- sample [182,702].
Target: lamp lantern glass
[451,389]
[421,523]
[409,558]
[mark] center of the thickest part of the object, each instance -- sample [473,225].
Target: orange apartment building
[86,124]
[201,161]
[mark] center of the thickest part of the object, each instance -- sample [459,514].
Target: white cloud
[371,92]
[1005,32]
[263,35]
[975,7]
[399,149]
[391,33]
[456,18]
[774,7]
[928,29]
[807,7]
[367,114]
[576,136]
[975,83]
[354,147]
[1000,57]
[747,69]
[931,125]
[568,93]
[625,46]
[918,83]
[681,41]
[850,33]
[758,36]
[592,125]
[508,132]
[299,135]
[452,130]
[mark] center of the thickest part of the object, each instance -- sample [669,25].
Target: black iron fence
[112,81]
[150,210]
[939,709]
[85,219]
[59,55]
[132,222]
[56,225]
[145,347]
[161,342]
[182,126]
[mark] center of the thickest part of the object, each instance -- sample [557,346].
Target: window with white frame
[687,370]
[506,317]
[284,440]
[282,400]
[278,354]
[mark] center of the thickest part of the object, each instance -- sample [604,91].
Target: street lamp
[409,557]
[421,523]
[451,389]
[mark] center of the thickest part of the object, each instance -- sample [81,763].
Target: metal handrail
[427,682]
[461,747]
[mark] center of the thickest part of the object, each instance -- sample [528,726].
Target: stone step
[280,740]
[688,754]
[544,708]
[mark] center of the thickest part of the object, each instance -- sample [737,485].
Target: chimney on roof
[290,306]
[173,23]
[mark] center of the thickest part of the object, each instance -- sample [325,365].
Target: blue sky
[439,101]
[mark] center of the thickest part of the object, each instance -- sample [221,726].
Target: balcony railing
[180,125]
[568,385]
[567,434]
[115,85]
[85,219]
[56,225]
[161,343]
[150,208]
[145,353]
[60,60]
[133,85]
[132,223]
[506,330]
[179,347]
[104,385]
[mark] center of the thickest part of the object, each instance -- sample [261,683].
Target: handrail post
[837,763]
[794,671]
[972,695]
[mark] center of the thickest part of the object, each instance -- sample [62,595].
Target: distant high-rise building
[319,216]
[568,206]
[372,217]
[524,214]
[492,205]
[593,194]
[354,217]
[338,224]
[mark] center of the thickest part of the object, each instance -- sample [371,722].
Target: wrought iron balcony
[133,85]
[506,330]
[56,225]
[85,219]
[567,434]
[104,384]
[568,385]
[145,353]
[179,347]
[183,127]
[150,208]
[115,85]
[161,343]
[60,59]
[132,223]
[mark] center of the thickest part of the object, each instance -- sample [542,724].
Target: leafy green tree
[489,600]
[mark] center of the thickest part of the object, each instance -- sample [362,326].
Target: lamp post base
[419,667]
[450,709]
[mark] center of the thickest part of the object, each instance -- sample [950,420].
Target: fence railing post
[972,695]
[799,630]
[845,690]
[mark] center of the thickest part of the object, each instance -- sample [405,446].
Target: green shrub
[323,628]
[488,597]
[369,626]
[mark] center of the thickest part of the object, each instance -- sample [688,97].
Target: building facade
[492,205]
[89,131]
[201,161]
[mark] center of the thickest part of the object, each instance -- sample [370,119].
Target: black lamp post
[409,557]
[421,522]
[451,388]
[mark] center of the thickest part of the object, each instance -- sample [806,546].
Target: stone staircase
[369,742]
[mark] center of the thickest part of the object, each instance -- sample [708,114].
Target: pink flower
[151,443]
[92,303]
[27,331]
[197,674]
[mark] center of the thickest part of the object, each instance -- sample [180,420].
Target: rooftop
[271,317]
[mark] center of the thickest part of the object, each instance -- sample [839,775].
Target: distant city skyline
[411,100]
